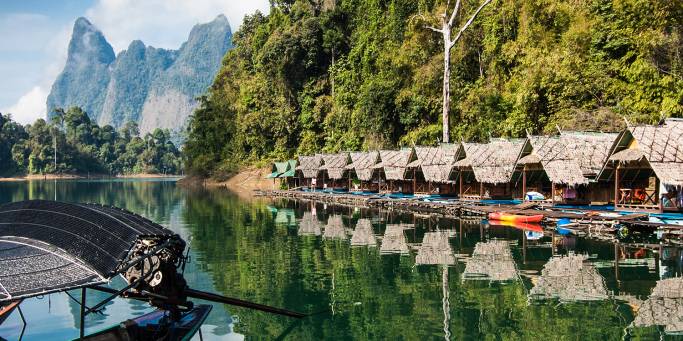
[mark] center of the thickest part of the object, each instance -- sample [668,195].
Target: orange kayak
[518,225]
[537,218]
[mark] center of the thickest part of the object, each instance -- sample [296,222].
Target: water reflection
[394,240]
[491,261]
[399,277]
[363,235]
[664,307]
[569,278]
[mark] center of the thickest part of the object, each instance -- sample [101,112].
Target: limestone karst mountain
[154,87]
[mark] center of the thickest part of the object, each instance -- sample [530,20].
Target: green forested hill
[331,75]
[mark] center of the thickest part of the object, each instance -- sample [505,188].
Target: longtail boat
[49,247]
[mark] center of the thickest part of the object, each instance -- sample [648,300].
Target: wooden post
[414,182]
[524,183]
[616,186]
[460,185]
[552,192]
[481,190]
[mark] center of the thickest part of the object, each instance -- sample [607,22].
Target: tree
[448,43]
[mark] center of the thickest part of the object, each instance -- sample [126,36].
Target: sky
[34,37]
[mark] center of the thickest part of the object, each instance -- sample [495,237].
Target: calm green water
[269,252]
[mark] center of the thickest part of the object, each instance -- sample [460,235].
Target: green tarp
[282,169]
[287,174]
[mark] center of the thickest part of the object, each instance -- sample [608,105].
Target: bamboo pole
[524,183]
[616,186]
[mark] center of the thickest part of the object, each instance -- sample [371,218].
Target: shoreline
[38,177]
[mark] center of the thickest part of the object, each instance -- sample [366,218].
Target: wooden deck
[464,208]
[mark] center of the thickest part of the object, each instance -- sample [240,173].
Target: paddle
[207,296]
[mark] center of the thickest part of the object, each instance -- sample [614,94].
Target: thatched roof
[529,160]
[569,278]
[335,164]
[435,249]
[363,235]
[436,163]
[628,155]
[395,162]
[660,145]
[491,261]
[589,149]
[664,307]
[309,225]
[394,241]
[335,228]
[493,162]
[362,163]
[310,165]
[558,163]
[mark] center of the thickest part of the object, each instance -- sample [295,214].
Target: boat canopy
[48,246]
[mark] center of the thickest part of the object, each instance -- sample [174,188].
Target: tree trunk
[446,80]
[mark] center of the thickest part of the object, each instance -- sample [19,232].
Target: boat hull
[502,216]
[156,326]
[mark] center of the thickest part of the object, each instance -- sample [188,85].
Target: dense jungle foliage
[355,74]
[83,146]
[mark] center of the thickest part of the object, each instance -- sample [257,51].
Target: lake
[369,274]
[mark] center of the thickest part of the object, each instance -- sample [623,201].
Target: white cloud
[163,23]
[29,107]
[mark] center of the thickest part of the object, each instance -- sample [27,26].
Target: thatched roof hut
[491,163]
[363,235]
[310,165]
[394,241]
[572,158]
[395,162]
[435,249]
[569,278]
[436,163]
[335,228]
[309,225]
[650,146]
[491,261]
[362,163]
[335,165]
[664,307]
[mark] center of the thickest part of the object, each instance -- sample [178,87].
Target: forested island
[332,75]
[83,147]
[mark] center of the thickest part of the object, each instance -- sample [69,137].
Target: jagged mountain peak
[153,86]
[89,42]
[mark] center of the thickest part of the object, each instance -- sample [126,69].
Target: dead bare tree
[448,43]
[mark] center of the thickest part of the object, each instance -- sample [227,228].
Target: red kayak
[537,218]
[517,225]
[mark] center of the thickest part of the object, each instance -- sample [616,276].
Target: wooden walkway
[454,208]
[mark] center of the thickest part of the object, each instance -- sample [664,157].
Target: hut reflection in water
[569,278]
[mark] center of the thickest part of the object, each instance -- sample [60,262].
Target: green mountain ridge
[356,74]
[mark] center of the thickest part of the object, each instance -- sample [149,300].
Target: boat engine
[152,270]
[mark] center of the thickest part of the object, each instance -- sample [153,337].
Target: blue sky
[34,36]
